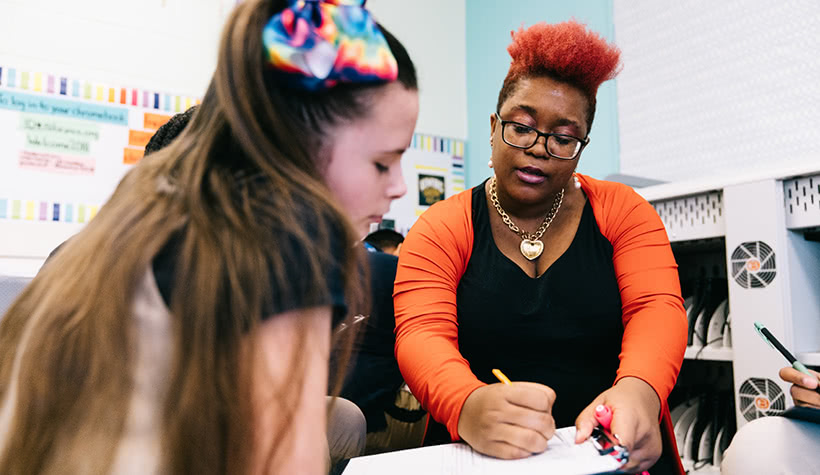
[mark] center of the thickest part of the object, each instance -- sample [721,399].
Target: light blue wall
[489,23]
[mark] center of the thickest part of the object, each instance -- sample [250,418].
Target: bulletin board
[67,142]
[433,169]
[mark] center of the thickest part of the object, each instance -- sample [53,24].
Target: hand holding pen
[804,390]
[508,420]
[806,386]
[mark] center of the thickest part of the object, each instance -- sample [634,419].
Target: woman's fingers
[804,387]
[583,429]
[530,395]
[508,421]
[805,397]
[645,447]
[586,422]
[625,425]
[793,376]
[538,421]
[528,440]
[634,407]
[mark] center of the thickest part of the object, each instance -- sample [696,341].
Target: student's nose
[397,187]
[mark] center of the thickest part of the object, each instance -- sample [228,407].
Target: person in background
[187,329]
[384,240]
[776,444]
[169,131]
[374,377]
[565,283]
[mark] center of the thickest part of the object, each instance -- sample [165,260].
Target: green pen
[772,341]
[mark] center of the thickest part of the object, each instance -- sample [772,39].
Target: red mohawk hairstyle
[566,52]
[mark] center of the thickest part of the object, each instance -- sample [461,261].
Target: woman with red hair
[566,283]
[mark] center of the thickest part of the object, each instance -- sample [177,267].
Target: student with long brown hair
[187,328]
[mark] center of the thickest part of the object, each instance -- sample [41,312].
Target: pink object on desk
[603,414]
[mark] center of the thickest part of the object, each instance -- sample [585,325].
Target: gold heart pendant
[531,249]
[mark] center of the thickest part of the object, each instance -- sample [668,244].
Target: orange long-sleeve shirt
[435,254]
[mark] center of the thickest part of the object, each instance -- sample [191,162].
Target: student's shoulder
[382,260]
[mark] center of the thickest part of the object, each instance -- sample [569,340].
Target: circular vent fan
[753,265]
[760,397]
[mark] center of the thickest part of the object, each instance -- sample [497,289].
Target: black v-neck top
[562,329]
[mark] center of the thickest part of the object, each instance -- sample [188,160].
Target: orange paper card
[138,138]
[155,121]
[132,155]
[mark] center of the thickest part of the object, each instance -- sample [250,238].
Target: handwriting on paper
[52,163]
[58,135]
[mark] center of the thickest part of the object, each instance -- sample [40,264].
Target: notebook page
[561,457]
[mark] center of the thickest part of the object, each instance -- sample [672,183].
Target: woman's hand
[508,421]
[635,415]
[804,388]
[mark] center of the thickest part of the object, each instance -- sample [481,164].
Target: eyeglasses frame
[584,142]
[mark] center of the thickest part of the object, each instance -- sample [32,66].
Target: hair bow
[317,43]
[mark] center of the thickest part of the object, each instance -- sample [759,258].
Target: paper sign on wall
[68,142]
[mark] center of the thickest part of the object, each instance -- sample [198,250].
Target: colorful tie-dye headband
[317,43]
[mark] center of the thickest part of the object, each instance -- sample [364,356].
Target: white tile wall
[717,87]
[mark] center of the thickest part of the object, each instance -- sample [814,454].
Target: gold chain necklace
[531,244]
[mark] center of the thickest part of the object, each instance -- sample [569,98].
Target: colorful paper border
[58,85]
[37,210]
[452,147]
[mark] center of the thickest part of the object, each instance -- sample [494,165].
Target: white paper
[562,457]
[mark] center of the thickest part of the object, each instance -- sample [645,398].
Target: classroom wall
[170,46]
[433,31]
[489,23]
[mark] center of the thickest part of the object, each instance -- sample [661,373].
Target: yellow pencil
[501,377]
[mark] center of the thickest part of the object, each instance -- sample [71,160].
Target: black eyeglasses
[560,146]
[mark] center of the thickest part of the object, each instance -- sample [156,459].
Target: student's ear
[396,250]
